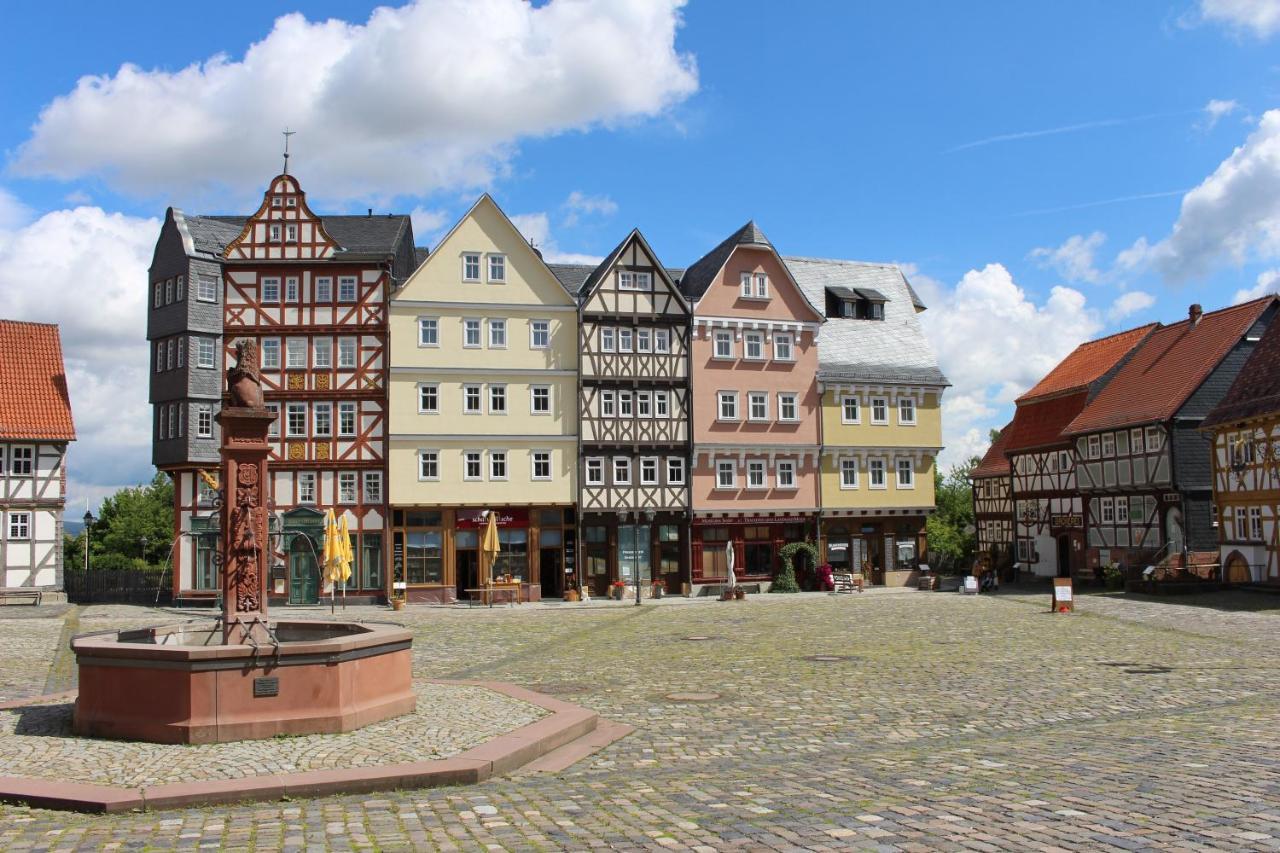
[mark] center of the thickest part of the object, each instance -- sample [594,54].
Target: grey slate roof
[357,235]
[698,277]
[892,350]
[576,278]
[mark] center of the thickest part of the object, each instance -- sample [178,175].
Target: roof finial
[287,133]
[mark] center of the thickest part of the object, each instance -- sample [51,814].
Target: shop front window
[668,549]
[758,551]
[838,551]
[371,561]
[714,562]
[424,556]
[513,554]
[906,558]
[595,543]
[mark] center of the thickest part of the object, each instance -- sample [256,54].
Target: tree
[136,522]
[950,528]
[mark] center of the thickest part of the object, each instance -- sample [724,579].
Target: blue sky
[1010,155]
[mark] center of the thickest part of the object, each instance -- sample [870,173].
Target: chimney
[371,211]
[1194,313]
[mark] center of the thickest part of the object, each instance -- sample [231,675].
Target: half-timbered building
[312,292]
[633,415]
[484,415]
[1245,429]
[881,409]
[1048,514]
[992,484]
[756,421]
[1144,468]
[35,427]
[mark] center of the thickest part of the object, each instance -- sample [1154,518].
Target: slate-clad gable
[1256,389]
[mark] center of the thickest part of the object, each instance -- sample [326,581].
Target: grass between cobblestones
[949,723]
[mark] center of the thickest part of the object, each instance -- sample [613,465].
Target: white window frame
[352,345]
[644,340]
[206,288]
[429,332]
[662,341]
[762,398]
[425,390]
[323,291]
[539,328]
[723,466]
[497,332]
[757,475]
[675,466]
[1136,443]
[644,404]
[785,475]
[475,257]
[292,409]
[428,465]
[1107,510]
[204,421]
[749,338]
[649,471]
[761,285]
[1095,446]
[496,458]
[626,405]
[472,325]
[593,470]
[372,483]
[533,399]
[625,340]
[343,409]
[292,289]
[785,398]
[608,404]
[730,397]
[348,487]
[848,465]
[662,403]
[1156,433]
[322,420]
[875,466]
[883,420]
[784,341]
[19,526]
[469,457]
[307,485]
[348,288]
[179,288]
[608,339]
[907,464]
[496,262]
[26,466]
[500,390]
[467,394]
[533,465]
[636,281]
[1108,444]
[620,464]
[273,429]
[845,400]
[725,336]
[322,352]
[270,290]
[906,411]
[291,348]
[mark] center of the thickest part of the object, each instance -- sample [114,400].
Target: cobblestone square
[892,721]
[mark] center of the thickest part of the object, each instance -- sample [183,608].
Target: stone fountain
[244,676]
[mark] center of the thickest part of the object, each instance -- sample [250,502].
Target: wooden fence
[118,586]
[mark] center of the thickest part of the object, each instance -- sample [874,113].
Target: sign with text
[475,518]
[1073,519]
[1063,596]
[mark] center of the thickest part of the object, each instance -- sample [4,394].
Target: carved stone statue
[244,381]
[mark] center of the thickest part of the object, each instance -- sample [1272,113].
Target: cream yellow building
[483,414]
[881,418]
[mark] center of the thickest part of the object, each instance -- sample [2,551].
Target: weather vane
[287,133]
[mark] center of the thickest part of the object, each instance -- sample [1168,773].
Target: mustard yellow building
[483,415]
[881,418]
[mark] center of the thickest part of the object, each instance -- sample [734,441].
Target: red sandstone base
[178,684]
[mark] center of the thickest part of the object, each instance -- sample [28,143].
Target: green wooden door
[304,575]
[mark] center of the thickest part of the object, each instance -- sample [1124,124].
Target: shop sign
[837,546]
[757,519]
[569,552]
[1066,520]
[473,519]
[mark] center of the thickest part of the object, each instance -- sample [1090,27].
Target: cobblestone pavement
[897,722]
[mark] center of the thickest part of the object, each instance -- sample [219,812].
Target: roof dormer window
[855,303]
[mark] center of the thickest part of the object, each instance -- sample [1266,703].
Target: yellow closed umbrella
[489,545]
[345,556]
[332,553]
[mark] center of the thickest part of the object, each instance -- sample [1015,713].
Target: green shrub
[1113,575]
[786,579]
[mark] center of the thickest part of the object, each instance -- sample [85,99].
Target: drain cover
[693,697]
[699,639]
[828,658]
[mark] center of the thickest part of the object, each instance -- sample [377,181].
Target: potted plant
[571,592]
[739,593]
[659,588]
[1113,575]
[397,602]
[616,589]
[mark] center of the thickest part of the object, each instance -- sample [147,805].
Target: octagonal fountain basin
[180,684]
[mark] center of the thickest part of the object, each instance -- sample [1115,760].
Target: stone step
[605,733]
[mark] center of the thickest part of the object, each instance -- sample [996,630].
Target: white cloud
[86,270]
[1260,17]
[431,95]
[13,212]
[1128,304]
[1267,283]
[579,205]
[536,227]
[1073,260]
[1215,111]
[427,224]
[993,342]
[1234,214]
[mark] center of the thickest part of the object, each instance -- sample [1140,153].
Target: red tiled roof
[1256,390]
[994,463]
[1168,367]
[34,401]
[1088,362]
[1040,423]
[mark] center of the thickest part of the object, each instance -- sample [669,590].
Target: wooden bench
[486,594]
[847,582]
[32,593]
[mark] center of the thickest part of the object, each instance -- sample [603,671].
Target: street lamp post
[88,524]
[143,539]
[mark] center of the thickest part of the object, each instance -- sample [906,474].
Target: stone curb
[505,753]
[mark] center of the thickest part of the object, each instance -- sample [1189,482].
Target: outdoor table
[486,594]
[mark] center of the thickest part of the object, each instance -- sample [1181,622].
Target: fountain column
[245,546]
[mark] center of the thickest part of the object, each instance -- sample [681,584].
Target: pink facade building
[756,420]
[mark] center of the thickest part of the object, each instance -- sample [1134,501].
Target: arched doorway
[1236,569]
[304,572]
[1064,556]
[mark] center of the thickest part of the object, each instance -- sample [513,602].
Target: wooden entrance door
[304,574]
[1237,569]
